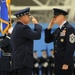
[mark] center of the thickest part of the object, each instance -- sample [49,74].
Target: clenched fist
[65,67]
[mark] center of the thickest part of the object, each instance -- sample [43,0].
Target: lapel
[58,31]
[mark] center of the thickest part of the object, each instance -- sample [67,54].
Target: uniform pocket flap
[28,60]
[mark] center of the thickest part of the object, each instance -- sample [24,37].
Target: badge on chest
[63,33]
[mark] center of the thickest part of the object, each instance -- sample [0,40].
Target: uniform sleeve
[69,46]
[32,34]
[48,36]
[4,43]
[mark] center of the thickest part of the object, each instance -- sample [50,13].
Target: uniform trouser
[45,71]
[63,72]
[36,71]
[0,72]
[52,71]
[22,71]
[74,71]
[6,73]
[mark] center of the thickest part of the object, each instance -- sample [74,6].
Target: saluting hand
[51,24]
[65,67]
[34,20]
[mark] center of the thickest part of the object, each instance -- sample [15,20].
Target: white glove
[10,30]
[36,65]
[45,64]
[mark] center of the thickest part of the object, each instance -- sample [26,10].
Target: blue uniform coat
[5,46]
[22,43]
[63,45]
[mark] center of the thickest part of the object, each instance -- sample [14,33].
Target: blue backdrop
[40,44]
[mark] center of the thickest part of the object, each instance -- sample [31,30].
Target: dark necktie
[58,30]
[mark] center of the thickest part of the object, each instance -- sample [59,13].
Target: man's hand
[34,20]
[51,24]
[65,67]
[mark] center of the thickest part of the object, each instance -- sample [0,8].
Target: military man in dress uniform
[44,63]
[22,42]
[6,49]
[51,62]
[64,39]
[36,63]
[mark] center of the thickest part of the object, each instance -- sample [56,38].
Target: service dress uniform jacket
[51,65]
[36,66]
[6,48]
[1,38]
[63,45]
[44,65]
[22,43]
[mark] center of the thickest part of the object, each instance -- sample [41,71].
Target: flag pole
[9,12]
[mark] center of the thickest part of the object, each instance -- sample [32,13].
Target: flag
[0,15]
[0,8]
[4,17]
